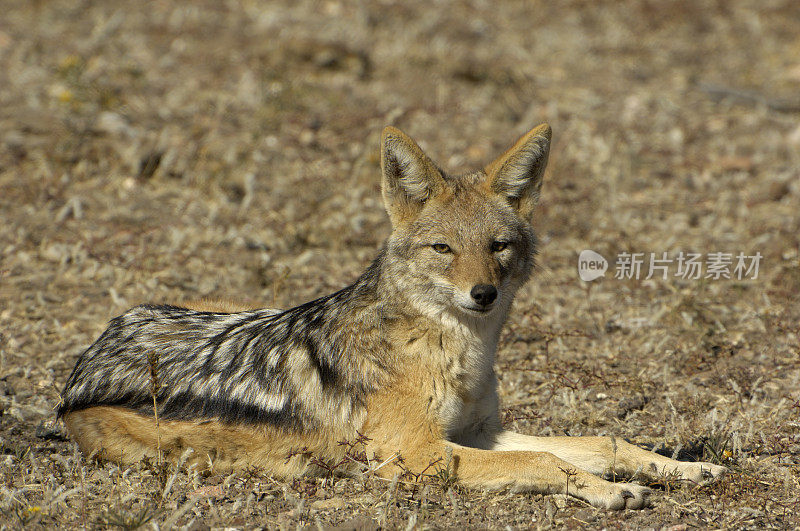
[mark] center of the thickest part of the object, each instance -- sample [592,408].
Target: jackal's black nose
[484,294]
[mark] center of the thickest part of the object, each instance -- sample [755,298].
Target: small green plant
[155,388]
[160,471]
[443,474]
[127,520]
[28,514]
[570,473]
[355,453]
[717,448]
[667,479]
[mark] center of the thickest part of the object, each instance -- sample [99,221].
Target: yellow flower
[65,96]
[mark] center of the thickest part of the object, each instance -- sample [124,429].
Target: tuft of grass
[667,480]
[27,514]
[155,387]
[717,448]
[444,475]
[127,520]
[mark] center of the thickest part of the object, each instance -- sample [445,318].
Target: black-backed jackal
[403,359]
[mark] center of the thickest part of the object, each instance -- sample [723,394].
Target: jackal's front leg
[540,472]
[608,456]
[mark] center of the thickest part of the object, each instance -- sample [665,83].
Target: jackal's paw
[618,496]
[699,472]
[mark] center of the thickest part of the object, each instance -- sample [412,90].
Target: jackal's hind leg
[122,435]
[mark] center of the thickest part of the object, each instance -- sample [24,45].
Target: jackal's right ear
[409,176]
[517,173]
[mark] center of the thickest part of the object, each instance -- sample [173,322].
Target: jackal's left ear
[409,176]
[517,173]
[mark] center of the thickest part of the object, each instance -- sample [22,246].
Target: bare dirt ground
[166,151]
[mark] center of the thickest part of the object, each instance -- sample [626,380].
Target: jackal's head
[461,244]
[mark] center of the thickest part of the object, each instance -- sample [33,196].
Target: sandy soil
[168,151]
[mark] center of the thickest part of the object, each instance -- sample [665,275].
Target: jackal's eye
[441,248]
[499,246]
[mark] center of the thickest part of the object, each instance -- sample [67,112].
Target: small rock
[560,500]
[197,525]
[585,515]
[626,405]
[50,431]
[777,190]
[113,123]
[148,164]
[357,524]
[330,503]
[209,491]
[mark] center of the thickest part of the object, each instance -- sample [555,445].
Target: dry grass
[168,151]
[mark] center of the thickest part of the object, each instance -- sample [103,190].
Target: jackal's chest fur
[454,368]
